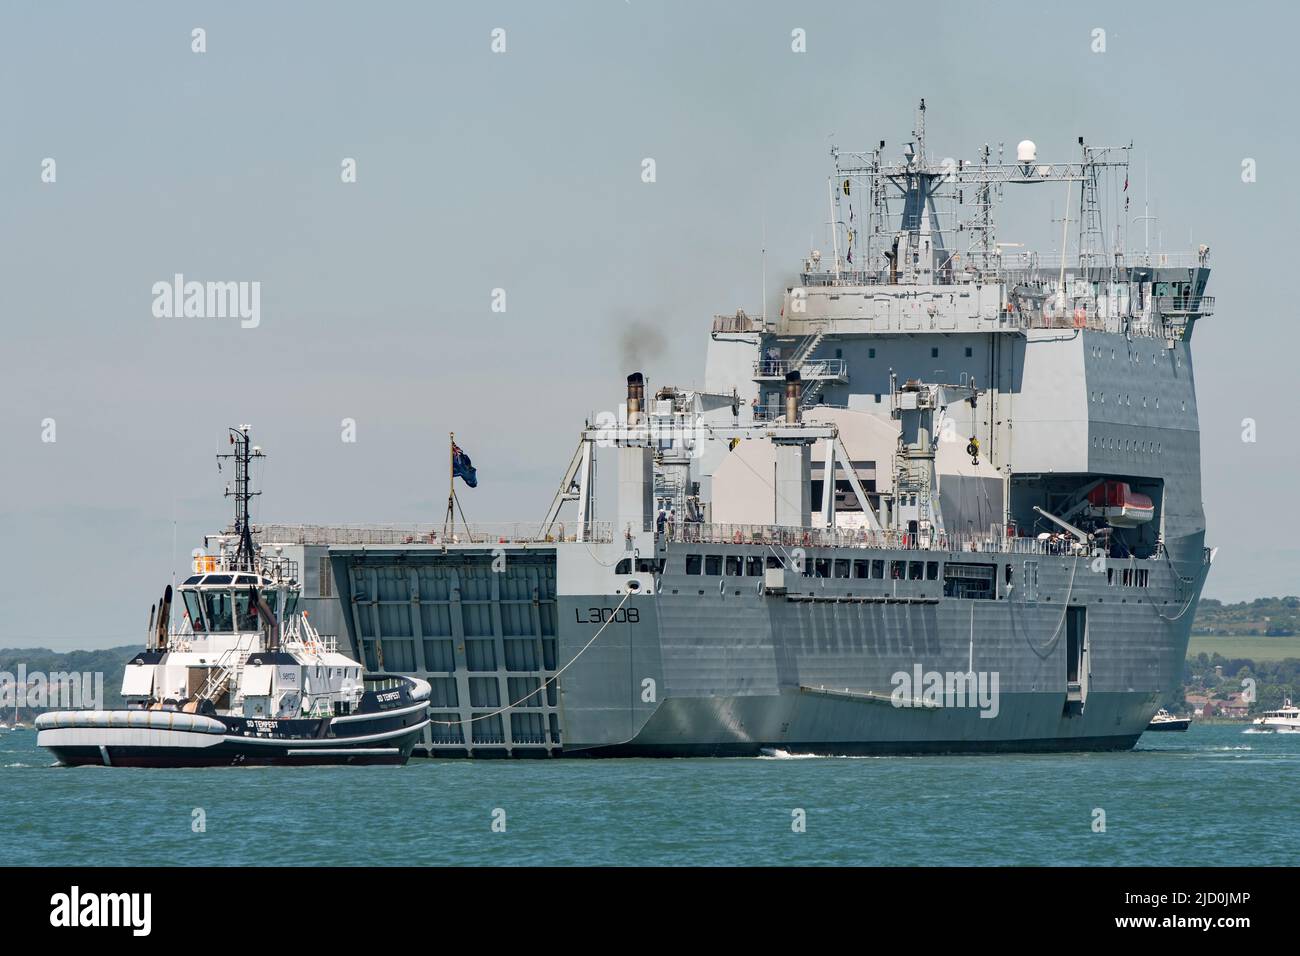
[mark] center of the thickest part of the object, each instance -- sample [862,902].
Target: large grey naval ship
[948,499]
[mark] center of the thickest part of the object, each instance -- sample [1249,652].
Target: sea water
[1211,796]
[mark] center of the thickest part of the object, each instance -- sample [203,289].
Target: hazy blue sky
[522,171]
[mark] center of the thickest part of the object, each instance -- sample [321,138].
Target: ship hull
[724,667]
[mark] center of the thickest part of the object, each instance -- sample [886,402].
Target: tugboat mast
[243,493]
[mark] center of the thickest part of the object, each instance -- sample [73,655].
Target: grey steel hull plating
[715,667]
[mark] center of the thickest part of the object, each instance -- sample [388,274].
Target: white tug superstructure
[245,678]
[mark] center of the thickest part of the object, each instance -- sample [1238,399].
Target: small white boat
[4,728]
[1286,719]
[1163,720]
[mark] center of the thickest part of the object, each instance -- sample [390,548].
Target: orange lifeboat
[1120,505]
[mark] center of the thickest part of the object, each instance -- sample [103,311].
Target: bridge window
[896,569]
[914,570]
[822,568]
[878,570]
[733,566]
[245,611]
[969,351]
[195,609]
[871,353]
[861,569]
[932,570]
[693,563]
[713,564]
[754,566]
[841,568]
[934,353]
[220,611]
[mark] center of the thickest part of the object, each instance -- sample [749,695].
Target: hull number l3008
[599,615]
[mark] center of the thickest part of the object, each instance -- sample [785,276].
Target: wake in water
[775,753]
[772,753]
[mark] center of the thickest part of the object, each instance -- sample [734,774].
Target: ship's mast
[244,452]
[912,248]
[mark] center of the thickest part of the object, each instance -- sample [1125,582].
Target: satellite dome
[1026,151]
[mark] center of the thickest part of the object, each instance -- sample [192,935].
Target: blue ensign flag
[461,465]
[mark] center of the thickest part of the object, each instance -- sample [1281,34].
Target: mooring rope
[1183,581]
[1050,646]
[545,683]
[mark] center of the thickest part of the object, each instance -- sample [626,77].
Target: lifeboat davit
[1120,505]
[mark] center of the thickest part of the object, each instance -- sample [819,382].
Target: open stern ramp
[478,622]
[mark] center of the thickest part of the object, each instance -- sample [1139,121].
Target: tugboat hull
[136,738]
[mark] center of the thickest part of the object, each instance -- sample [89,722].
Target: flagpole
[449,522]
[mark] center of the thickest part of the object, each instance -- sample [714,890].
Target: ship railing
[740,323]
[1182,305]
[1030,261]
[1164,317]
[771,411]
[1158,320]
[786,538]
[808,370]
[299,632]
[846,277]
[1008,266]
[429,534]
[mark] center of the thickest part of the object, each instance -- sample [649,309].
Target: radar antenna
[243,453]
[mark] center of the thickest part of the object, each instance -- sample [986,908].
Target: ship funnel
[793,393]
[635,397]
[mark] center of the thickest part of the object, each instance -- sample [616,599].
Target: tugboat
[246,679]
[1163,720]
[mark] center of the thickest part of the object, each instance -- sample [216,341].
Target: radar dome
[1026,151]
